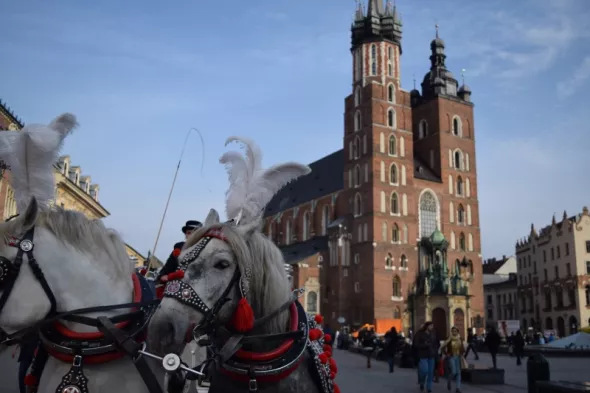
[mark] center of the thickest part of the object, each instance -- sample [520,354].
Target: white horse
[54,261]
[235,289]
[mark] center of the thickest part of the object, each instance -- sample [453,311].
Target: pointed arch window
[312,302]
[356,147]
[462,241]
[405,239]
[459,185]
[305,234]
[422,129]
[357,176]
[404,261]
[389,69]
[393,174]
[394,203]
[390,93]
[325,219]
[460,215]
[288,229]
[357,96]
[391,118]
[457,159]
[397,287]
[357,120]
[389,260]
[358,205]
[456,126]
[428,214]
[395,233]
[384,231]
[392,145]
[373,59]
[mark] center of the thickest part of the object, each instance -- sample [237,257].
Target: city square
[419,220]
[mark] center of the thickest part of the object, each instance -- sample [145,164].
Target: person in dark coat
[518,347]
[390,347]
[172,262]
[426,349]
[471,345]
[369,340]
[493,343]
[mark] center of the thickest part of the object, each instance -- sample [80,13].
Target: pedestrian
[493,344]
[471,343]
[453,348]
[518,347]
[426,349]
[368,342]
[436,356]
[390,347]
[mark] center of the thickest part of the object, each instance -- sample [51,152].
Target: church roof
[326,177]
[294,253]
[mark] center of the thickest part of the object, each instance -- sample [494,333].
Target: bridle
[10,270]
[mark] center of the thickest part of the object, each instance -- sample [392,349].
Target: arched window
[394,203]
[288,232]
[462,241]
[397,287]
[460,215]
[357,120]
[393,174]
[404,261]
[395,233]
[357,176]
[384,231]
[357,96]
[457,159]
[391,118]
[422,129]
[305,226]
[392,145]
[428,214]
[389,69]
[312,302]
[358,205]
[390,53]
[405,238]
[373,59]
[325,219]
[389,260]
[356,147]
[270,231]
[459,185]
[357,259]
[390,93]
[456,126]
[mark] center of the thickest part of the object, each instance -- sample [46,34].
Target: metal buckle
[77,361]
[252,385]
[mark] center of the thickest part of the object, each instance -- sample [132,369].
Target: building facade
[554,275]
[500,290]
[73,190]
[406,170]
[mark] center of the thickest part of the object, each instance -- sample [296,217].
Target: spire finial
[463,76]
[414,78]
[436,27]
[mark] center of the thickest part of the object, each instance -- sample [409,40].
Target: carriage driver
[172,262]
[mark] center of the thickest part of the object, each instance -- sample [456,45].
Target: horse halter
[9,271]
[185,294]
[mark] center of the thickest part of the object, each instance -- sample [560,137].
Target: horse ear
[31,214]
[212,218]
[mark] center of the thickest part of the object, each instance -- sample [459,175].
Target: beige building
[500,290]
[554,275]
[73,189]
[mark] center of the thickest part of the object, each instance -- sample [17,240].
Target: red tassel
[315,334]
[177,275]
[336,389]
[243,319]
[333,366]
[327,348]
[318,319]
[323,358]
[160,292]
[31,380]
[176,252]
[328,338]
[332,375]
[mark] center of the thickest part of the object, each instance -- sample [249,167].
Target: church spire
[375,8]
[378,23]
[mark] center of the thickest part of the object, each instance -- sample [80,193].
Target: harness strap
[129,346]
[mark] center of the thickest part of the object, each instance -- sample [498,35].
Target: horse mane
[268,283]
[80,232]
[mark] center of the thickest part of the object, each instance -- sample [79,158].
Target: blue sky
[140,74]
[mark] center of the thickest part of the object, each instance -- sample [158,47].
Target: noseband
[10,270]
[185,294]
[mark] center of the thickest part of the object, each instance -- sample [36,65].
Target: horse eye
[221,265]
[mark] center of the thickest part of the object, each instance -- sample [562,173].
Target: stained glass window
[428,214]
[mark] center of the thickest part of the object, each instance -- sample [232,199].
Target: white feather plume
[250,186]
[31,154]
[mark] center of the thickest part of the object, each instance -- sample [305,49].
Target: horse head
[230,273]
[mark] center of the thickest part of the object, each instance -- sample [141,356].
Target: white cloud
[570,86]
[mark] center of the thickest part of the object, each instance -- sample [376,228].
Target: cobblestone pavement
[355,377]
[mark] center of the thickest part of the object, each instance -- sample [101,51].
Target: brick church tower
[402,237]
